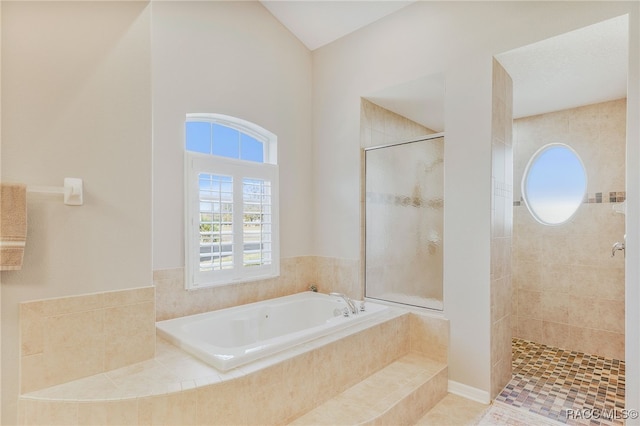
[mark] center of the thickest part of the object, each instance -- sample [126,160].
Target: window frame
[197,163]
[268,139]
[525,178]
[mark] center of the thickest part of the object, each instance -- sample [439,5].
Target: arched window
[554,184]
[231,201]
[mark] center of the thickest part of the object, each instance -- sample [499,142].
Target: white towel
[13,225]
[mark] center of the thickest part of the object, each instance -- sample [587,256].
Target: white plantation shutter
[231,220]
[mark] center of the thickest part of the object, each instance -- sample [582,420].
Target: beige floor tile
[454,410]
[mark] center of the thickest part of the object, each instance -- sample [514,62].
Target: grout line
[565,385]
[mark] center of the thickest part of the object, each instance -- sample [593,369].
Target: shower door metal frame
[364,209]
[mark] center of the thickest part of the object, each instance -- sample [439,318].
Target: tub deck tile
[146,378]
[267,391]
[177,388]
[172,369]
[372,398]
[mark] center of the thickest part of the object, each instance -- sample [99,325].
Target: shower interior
[568,305]
[568,289]
[404,202]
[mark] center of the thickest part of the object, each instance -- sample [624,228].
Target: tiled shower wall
[501,228]
[379,126]
[568,290]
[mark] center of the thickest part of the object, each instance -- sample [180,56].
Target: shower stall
[404,203]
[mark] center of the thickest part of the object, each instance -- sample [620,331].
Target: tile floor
[500,414]
[547,384]
[454,410]
[566,386]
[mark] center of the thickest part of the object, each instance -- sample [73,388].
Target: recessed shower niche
[403,192]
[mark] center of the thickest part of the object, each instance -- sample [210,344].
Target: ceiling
[319,22]
[582,67]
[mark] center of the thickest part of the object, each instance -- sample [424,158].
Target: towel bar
[72,191]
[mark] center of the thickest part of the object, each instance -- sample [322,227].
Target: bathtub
[232,337]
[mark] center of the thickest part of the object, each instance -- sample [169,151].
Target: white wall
[0,176]
[632,251]
[425,38]
[76,102]
[231,58]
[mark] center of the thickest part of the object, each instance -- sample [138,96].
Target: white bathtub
[235,336]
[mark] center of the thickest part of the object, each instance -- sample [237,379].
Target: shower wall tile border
[66,338]
[404,200]
[594,198]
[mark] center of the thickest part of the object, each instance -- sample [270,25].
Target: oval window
[554,184]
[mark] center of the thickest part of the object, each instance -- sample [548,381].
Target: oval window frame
[525,177]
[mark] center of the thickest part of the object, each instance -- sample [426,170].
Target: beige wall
[457,39]
[76,96]
[501,228]
[230,58]
[104,77]
[569,292]
[84,70]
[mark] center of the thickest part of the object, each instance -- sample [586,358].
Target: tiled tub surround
[233,337]
[398,394]
[175,388]
[568,291]
[67,338]
[296,275]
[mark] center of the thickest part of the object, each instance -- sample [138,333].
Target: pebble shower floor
[566,386]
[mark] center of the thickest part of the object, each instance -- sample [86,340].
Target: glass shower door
[404,203]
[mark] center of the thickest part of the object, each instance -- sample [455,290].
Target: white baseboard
[469,392]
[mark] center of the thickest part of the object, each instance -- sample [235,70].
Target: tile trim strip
[594,198]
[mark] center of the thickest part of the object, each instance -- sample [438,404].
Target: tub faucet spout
[349,302]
